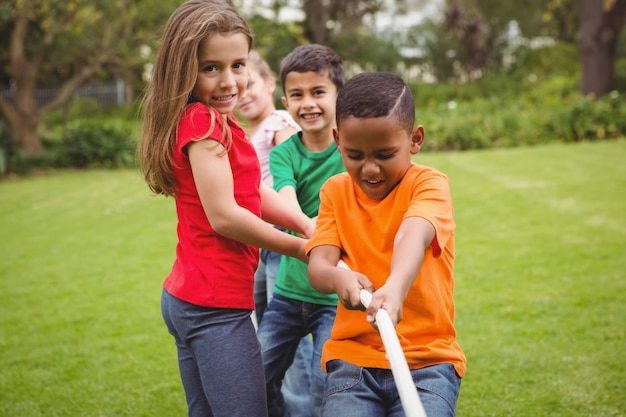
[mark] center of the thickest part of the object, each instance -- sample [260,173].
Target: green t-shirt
[291,163]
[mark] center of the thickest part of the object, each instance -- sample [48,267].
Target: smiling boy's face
[377,152]
[310,99]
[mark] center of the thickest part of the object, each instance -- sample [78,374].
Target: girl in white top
[266,127]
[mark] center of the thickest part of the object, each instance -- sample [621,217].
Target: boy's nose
[370,167]
[308,102]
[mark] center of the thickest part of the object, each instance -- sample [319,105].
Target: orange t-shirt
[364,230]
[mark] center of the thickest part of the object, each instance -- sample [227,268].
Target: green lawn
[541,287]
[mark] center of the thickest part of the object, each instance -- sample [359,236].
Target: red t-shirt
[211,270]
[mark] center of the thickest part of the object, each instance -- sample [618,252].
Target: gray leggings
[219,358]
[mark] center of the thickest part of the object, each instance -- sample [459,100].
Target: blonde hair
[173,79]
[261,65]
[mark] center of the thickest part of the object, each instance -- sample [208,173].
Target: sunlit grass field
[540,270]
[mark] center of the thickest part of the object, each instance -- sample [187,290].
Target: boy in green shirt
[311,76]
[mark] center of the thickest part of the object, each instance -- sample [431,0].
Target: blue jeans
[264,281]
[371,392]
[296,388]
[285,323]
[219,359]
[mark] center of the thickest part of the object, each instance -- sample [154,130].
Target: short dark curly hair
[377,94]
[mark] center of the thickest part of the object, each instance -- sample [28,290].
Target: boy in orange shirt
[392,222]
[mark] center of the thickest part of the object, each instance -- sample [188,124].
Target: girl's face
[222,73]
[258,102]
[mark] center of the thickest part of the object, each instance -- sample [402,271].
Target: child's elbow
[317,281]
[312,275]
[222,225]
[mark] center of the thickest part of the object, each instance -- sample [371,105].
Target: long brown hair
[173,78]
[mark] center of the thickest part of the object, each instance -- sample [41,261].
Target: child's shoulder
[422,171]
[197,108]
[423,177]
[278,120]
[288,145]
[199,112]
[339,182]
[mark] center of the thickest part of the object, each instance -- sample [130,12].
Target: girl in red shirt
[192,148]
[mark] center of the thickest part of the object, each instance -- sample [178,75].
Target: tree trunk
[23,124]
[600,25]
[21,111]
[26,135]
[316,21]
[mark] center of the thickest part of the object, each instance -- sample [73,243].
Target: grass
[541,253]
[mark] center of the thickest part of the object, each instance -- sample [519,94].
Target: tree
[69,42]
[274,40]
[561,20]
[325,18]
[600,25]
[473,35]
[344,25]
[594,24]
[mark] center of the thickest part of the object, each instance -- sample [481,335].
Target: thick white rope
[399,368]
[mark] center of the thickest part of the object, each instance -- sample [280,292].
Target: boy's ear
[336,135]
[283,99]
[417,139]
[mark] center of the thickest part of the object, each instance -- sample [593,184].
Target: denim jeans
[296,388]
[285,323]
[264,281]
[371,392]
[219,359]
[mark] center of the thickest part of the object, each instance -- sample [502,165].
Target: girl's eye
[239,66]
[210,68]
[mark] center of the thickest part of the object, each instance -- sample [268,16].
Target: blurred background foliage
[484,73]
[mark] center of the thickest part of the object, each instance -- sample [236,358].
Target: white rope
[399,368]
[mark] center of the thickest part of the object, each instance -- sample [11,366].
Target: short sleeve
[281,166]
[326,232]
[431,200]
[199,122]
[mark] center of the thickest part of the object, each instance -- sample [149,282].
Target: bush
[585,119]
[530,119]
[93,144]
[78,136]
[85,144]
[531,105]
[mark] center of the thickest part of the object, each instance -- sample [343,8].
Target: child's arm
[288,194]
[411,241]
[214,182]
[327,278]
[284,215]
[282,135]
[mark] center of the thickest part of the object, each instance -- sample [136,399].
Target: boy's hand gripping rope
[399,368]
